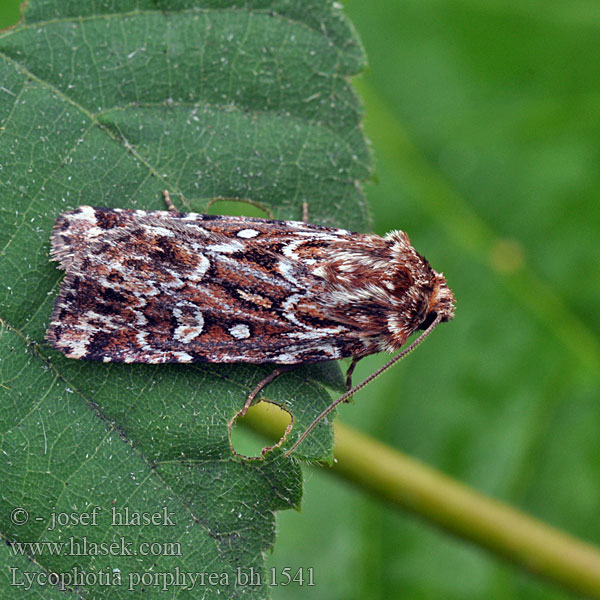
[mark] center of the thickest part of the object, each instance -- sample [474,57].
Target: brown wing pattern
[157,287]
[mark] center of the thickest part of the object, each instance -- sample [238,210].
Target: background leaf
[484,123]
[107,104]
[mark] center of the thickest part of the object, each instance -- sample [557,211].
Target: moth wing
[158,287]
[77,230]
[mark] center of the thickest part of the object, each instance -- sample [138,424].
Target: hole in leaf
[264,418]
[236,208]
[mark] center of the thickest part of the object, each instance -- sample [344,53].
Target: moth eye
[429,319]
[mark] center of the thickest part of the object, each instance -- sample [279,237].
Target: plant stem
[407,483]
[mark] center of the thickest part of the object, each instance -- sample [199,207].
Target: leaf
[108,104]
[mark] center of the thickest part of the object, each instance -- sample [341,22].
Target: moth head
[384,289]
[441,302]
[419,293]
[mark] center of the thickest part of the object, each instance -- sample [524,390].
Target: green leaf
[108,104]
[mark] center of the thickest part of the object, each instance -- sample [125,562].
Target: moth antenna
[368,380]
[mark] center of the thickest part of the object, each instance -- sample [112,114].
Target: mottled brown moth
[164,286]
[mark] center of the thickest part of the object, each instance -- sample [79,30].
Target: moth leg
[280,370]
[169,202]
[305,212]
[262,384]
[349,372]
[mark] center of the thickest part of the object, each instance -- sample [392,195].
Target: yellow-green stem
[405,482]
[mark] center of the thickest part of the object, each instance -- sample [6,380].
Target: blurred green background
[9,13]
[484,119]
[485,126]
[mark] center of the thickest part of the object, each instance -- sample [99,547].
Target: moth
[171,287]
